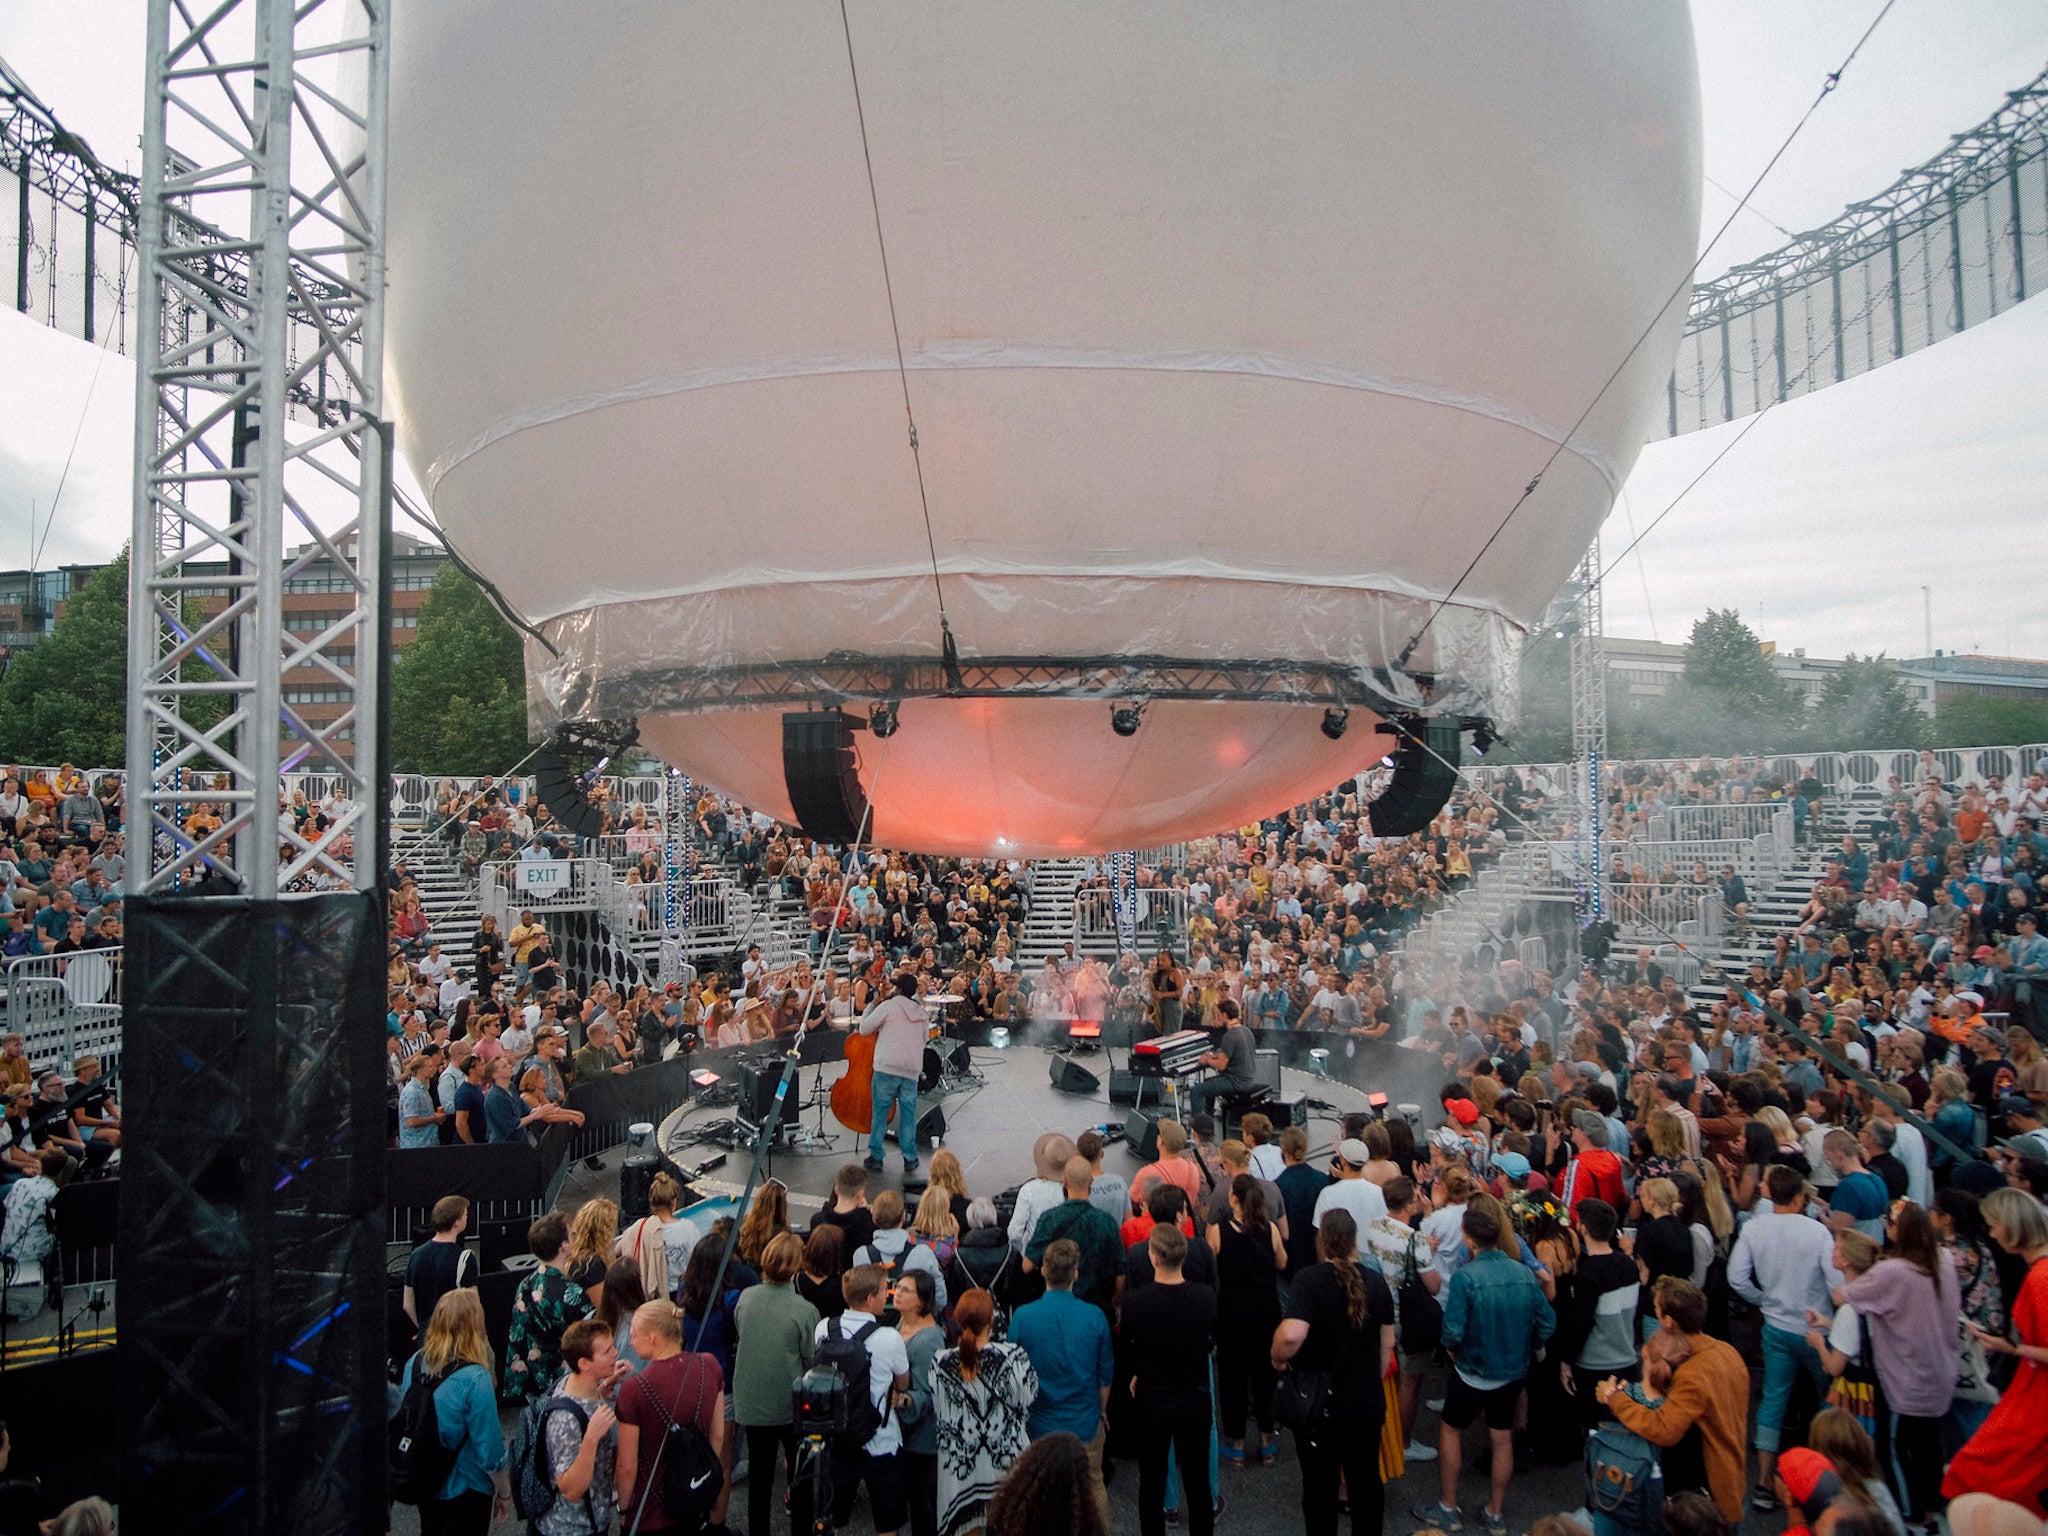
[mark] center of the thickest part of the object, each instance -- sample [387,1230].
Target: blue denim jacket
[1495,1318]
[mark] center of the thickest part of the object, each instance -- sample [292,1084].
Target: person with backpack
[895,1251]
[1337,1343]
[1079,1220]
[565,1455]
[671,1430]
[875,1366]
[1708,1393]
[448,1451]
[1071,1349]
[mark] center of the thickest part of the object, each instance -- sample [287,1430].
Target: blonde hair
[1234,1154]
[663,1192]
[934,1216]
[593,1230]
[1948,1085]
[946,1173]
[660,1317]
[768,1215]
[1774,1120]
[455,1333]
[1456,1183]
[1661,1194]
[1859,1248]
[1667,1133]
[782,1258]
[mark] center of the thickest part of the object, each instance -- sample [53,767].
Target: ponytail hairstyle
[1337,1241]
[1244,1189]
[975,1312]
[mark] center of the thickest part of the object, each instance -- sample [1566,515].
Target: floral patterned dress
[546,1303]
[981,1428]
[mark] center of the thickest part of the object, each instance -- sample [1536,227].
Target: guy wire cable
[1827,89]
[949,653]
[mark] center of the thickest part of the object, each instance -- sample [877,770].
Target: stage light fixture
[882,720]
[1125,719]
[1335,721]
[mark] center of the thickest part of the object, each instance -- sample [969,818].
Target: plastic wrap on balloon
[1229,346]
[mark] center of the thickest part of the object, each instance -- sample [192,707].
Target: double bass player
[900,1023]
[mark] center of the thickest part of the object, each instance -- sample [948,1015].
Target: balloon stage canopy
[1230,336]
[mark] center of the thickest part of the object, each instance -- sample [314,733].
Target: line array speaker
[1425,772]
[823,780]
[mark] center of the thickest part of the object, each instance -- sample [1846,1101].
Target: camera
[818,1403]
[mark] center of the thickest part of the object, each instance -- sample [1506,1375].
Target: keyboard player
[1234,1060]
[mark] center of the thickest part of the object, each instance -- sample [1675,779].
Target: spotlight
[1483,737]
[882,720]
[1125,719]
[1334,723]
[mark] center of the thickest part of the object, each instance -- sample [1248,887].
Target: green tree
[1975,720]
[1543,734]
[1724,659]
[458,692]
[1867,704]
[65,699]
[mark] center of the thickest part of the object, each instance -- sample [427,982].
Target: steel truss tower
[252,1332]
[1589,724]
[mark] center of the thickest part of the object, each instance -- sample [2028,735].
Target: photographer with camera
[875,1364]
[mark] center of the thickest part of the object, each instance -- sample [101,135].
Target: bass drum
[928,1075]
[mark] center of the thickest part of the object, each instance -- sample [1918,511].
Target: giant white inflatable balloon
[1231,333]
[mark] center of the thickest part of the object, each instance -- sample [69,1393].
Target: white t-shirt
[1845,1333]
[887,1359]
[1267,1163]
[1361,1197]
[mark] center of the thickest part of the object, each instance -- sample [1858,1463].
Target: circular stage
[1003,1104]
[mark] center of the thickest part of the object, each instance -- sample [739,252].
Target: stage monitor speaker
[1285,1109]
[931,1123]
[1425,772]
[1266,1068]
[1127,1087]
[1069,1076]
[1141,1134]
[823,780]
[498,1241]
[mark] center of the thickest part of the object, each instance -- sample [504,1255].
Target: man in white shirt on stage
[902,1024]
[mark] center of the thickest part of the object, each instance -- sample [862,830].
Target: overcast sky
[1823,525]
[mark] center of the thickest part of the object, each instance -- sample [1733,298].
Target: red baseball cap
[1464,1111]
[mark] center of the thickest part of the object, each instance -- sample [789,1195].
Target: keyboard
[1175,1055]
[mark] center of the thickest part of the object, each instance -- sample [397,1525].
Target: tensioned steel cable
[1685,282]
[947,648]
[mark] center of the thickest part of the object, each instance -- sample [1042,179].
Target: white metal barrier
[1163,912]
[65,1006]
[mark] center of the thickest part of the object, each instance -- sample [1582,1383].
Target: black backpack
[849,1357]
[419,1462]
[691,1474]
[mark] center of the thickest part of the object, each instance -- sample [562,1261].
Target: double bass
[853,1096]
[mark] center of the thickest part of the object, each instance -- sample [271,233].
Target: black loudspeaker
[1069,1076]
[635,1175]
[1126,1087]
[931,1123]
[498,1241]
[823,780]
[1425,772]
[1287,1109]
[1141,1134]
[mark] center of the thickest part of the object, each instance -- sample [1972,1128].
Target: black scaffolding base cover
[251,1354]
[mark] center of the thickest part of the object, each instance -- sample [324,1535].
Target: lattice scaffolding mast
[260,384]
[1589,723]
[251,1355]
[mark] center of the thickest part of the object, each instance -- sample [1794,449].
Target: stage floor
[992,1123]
